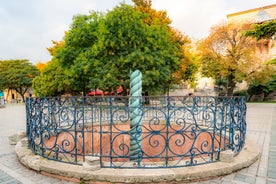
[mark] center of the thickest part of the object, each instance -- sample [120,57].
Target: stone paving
[261,129]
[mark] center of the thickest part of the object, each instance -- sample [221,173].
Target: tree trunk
[23,97]
[22,92]
[147,101]
[230,85]
[124,91]
[167,88]
[8,95]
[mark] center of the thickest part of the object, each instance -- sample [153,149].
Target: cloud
[28,27]
[196,17]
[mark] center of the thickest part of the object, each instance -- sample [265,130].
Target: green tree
[99,51]
[227,53]
[79,43]
[52,81]
[271,85]
[266,30]
[127,43]
[188,65]
[17,75]
[262,31]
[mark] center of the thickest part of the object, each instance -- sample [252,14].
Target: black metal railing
[176,131]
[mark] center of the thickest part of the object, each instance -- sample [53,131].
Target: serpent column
[135,105]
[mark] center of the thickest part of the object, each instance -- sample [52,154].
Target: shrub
[241,93]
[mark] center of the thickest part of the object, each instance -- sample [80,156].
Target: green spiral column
[135,116]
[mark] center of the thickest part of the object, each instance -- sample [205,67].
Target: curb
[245,158]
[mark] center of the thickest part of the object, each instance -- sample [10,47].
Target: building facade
[267,48]
[11,96]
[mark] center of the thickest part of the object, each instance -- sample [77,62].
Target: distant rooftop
[256,15]
[262,16]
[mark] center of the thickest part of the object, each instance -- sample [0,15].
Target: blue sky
[27,27]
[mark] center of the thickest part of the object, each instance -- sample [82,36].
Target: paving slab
[261,120]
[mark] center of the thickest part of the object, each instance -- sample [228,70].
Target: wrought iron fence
[176,131]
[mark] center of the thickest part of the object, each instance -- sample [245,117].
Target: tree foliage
[40,66]
[17,75]
[228,53]
[262,31]
[52,81]
[188,66]
[100,50]
[265,30]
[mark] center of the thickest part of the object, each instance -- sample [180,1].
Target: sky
[27,27]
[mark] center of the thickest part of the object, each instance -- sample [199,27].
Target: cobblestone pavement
[261,129]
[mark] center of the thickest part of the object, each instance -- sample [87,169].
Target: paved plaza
[261,129]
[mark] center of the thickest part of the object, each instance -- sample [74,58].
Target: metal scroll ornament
[135,116]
